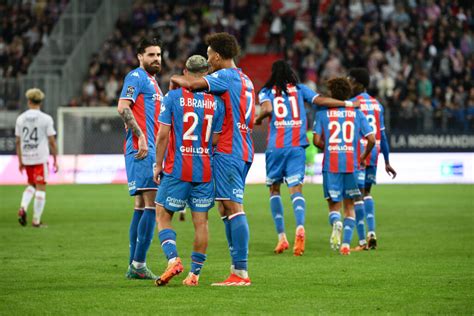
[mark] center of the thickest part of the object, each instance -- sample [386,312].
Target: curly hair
[340,88]
[282,74]
[224,44]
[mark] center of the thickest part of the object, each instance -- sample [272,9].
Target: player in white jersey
[34,131]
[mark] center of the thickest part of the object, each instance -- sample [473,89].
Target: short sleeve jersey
[34,127]
[238,94]
[341,129]
[288,123]
[193,118]
[141,88]
[373,111]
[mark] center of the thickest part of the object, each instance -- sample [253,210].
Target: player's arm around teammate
[187,122]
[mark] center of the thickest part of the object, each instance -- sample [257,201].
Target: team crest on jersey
[130,91]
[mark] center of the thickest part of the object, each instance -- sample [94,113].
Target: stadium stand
[25,28]
[420,55]
[179,25]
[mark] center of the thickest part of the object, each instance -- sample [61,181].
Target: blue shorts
[339,186]
[366,177]
[174,195]
[140,173]
[285,164]
[229,176]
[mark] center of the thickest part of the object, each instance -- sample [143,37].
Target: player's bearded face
[151,59]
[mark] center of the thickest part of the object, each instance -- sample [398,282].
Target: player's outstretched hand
[362,163]
[21,167]
[142,148]
[55,167]
[391,172]
[157,173]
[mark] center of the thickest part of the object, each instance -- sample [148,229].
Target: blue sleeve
[264,95]
[364,124]
[218,81]
[166,111]
[384,146]
[382,120]
[219,116]
[131,86]
[307,93]
[318,123]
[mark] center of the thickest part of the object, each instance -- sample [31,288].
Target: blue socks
[145,230]
[197,261]
[133,232]
[240,240]
[168,243]
[228,235]
[299,208]
[360,214]
[370,213]
[334,216]
[276,207]
[348,224]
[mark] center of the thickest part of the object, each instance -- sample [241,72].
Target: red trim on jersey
[350,156]
[295,130]
[251,121]
[225,140]
[138,110]
[170,152]
[333,155]
[280,129]
[206,159]
[243,110]
[187,164]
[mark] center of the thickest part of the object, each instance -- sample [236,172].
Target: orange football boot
[282,245]
[191,280]
[298,248]
[172,270]
[233,280]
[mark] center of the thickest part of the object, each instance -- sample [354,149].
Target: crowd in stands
[420,55]
[179,25]
[24,28]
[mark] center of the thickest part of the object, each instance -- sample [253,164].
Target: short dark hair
[360,75]
[340,88]
[224,44]
[147,42]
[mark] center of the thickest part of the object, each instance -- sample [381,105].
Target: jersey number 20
[347,128]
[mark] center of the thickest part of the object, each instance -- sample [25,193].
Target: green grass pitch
[424,263]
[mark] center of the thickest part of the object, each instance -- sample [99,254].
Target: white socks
[40,201]
[138,265]
[27,196]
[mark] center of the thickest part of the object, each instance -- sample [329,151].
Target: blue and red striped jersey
[193,117]
[238,94]
[288,124]
[341,129]
[142,89]
[373,111]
